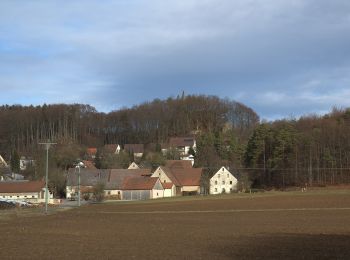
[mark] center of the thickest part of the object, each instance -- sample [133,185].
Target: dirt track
[287,226]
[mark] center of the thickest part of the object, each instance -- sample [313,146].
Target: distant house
[112,148]
[223,181]
[25,162]
[183,144]
[136,149]
[91,152]
[142,188]
[133,166]
[32,191]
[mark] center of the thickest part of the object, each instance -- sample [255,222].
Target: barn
[142,188]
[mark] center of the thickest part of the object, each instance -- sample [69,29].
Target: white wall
[161,175]
[157,194]
[190,188]
[222,182]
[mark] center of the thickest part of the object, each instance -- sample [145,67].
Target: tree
[99,192]
[15,162]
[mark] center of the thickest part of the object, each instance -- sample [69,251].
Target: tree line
[312,150]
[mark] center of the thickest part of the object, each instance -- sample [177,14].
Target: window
[109,192]
[223,182]
[216,189]
[33,196]
[164,181]
[230,182]
[222,168]
[118,192]
[157,193]
[216,182]
[25,196]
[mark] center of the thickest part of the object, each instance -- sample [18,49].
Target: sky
[282,58]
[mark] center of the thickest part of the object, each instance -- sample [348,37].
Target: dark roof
[134,148]
[88,177]
[178,164]
[118,176]
[184,176]
[112,178]
[110,148]
[139,183]
[21,186]
[181,141]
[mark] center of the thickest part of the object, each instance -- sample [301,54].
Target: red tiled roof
[181,141]
[167,185]
[178,164]
[139,183]
[21,186]
[92,151]
[184,176]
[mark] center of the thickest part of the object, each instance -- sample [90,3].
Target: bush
[86,196]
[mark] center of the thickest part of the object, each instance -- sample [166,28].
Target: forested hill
[22,127]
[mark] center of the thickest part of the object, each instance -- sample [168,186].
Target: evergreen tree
[15,162]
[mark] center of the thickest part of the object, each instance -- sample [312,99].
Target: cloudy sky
[282,58]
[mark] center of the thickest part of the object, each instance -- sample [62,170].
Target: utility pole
[47,147]
[79,165]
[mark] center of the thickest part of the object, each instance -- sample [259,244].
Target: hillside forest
[311,150]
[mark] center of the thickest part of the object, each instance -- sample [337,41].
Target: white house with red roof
[32,191]
[186,180]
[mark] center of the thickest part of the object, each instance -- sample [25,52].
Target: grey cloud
[269,54]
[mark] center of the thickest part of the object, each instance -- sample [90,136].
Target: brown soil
[278,226]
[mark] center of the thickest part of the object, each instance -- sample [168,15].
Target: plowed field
[312,225]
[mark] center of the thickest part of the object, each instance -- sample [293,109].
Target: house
[88,179]
[133,166]
[91,152]
[223,181]
[25,162]
[142,188]
[31,191]
[183,144]
[136,149]
[116,178]
[185,180]
[112,179]
[112,148]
